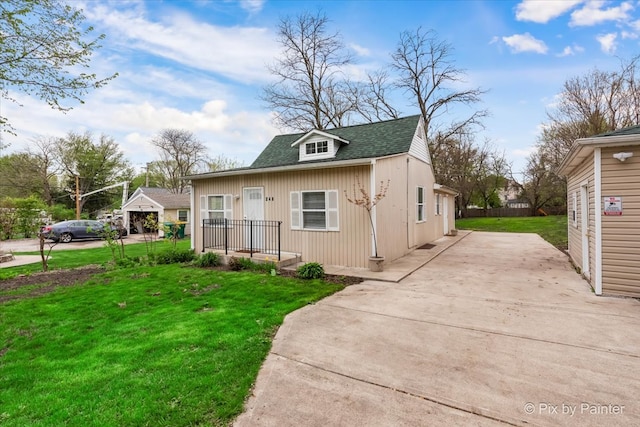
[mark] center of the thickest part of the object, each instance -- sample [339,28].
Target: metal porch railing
[248,236]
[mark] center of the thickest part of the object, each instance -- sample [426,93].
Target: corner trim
[597,172]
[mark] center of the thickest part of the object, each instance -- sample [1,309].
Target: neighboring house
[603,205]
[299,181]
[165,205]
[509,196]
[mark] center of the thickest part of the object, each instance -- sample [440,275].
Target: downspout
[597,172]
[407,186]
[372,192]
[192,218]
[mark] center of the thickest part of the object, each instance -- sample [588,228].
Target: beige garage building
[603,205]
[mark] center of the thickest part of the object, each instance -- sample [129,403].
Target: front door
[253,210]
[584,228]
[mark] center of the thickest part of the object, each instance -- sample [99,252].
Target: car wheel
[66,237]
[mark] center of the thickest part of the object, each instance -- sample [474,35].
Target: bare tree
[429,74]
[181,154]
[221,162]
[312,91]
[597,102]
[42,152]
[490,171]
[371,98]
[539,185]
[456,160]
[44,45]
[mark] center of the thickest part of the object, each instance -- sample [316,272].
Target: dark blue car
[66,231]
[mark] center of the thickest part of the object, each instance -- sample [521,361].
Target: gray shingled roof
[632,130]
[369,140]
[166,198]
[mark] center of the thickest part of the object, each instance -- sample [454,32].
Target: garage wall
[621,234]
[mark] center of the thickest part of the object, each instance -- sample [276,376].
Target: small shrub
[237,264]
[209,259]
[174,256]
[310,270]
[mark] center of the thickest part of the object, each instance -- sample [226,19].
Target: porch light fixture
[622,156]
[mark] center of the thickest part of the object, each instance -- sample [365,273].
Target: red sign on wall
[612,206]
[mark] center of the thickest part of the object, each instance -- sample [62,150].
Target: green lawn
[163,345]
[551,228]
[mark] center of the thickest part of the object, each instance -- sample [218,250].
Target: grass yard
[551,228]
[148,345]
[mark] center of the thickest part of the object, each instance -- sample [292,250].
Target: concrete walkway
[498,329]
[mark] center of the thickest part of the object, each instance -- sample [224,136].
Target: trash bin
[169,227]
[180,230]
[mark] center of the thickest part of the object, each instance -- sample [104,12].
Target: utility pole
[77,197]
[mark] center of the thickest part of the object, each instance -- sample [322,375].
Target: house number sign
[612,206]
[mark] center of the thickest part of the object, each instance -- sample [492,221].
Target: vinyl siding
[584,172]
[350,246]
[621,234]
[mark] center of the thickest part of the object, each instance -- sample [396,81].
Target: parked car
[66,231]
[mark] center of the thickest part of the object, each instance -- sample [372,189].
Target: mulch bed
[52,279]
[77,276]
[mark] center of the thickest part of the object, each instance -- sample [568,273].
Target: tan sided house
[162,203]
[603,184]
[292,198]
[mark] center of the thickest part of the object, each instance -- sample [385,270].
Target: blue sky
[200,65]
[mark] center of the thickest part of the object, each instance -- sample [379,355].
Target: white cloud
[608,42]
[525,43]
[571,50]
[543,11]
[360,51]
[238,53]
[252,6]
[593,13]
[628,35]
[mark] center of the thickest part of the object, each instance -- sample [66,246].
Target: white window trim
[331,210]
[574,211]
[421,207]
[438,201]
[183,210]
[227,206]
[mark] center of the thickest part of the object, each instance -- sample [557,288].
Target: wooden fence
[509,212]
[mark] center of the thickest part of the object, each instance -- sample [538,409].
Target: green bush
[310,270]
[209,259]
[174,256]
[237,264]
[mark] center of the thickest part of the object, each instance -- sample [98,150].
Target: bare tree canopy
[312,91]
[43,45]
[597,102]
[428,73]
[181,154]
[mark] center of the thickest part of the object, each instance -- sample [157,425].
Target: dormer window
[317,147]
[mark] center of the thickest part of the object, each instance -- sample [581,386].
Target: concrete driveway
[498,329]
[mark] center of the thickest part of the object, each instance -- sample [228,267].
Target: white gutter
[597,166]
[372,192]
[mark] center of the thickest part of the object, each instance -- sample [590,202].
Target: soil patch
[50,281]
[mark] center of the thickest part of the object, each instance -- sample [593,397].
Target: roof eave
[318,132]
[302,166]
[582,148]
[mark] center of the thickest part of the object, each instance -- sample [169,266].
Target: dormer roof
[317,133]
